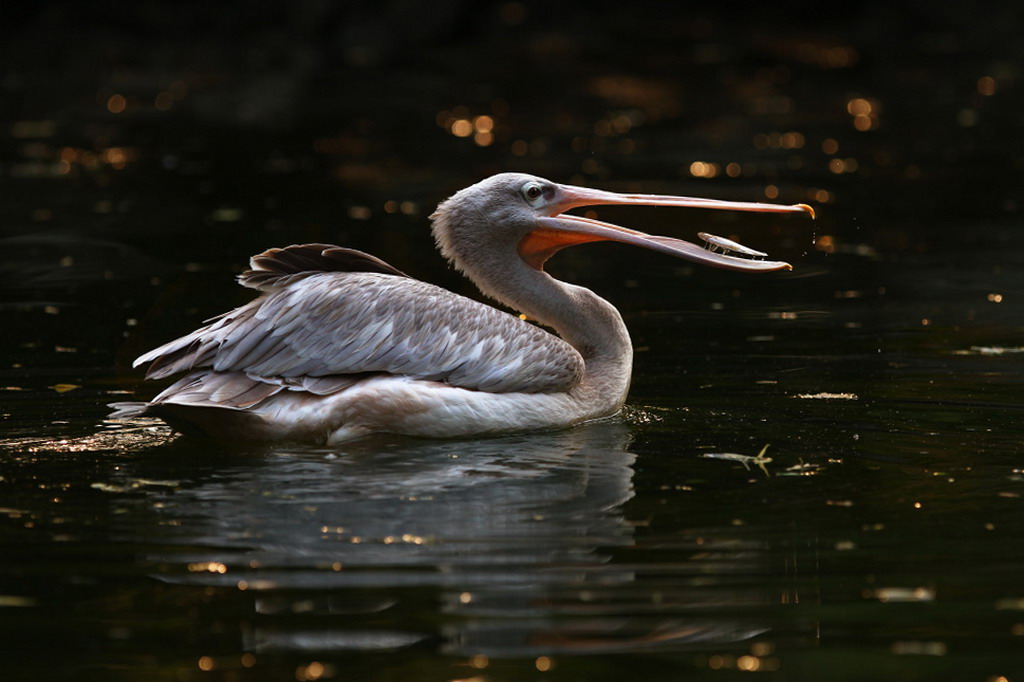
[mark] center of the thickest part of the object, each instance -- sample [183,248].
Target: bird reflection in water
[518,539]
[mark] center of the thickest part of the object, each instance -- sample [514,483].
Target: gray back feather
[326,325]
[275,268]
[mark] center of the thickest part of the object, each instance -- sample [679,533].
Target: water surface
[818,474]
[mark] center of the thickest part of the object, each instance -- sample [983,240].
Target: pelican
[340,345]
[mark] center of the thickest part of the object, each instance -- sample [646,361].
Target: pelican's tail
[228,406]
[127,410]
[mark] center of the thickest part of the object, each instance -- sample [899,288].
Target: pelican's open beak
[557,230]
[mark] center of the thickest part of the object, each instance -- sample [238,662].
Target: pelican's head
[513,215]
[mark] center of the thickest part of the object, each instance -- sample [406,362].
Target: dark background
[147,149]
[138,139]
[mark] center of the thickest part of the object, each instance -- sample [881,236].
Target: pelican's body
[341,345]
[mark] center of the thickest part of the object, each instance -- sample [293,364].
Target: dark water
[148,150]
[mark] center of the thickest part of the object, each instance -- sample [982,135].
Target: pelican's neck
[586,321]
[484,245]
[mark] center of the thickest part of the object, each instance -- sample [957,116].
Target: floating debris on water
[990,350]
[902,594]
[827,396]
[758,460]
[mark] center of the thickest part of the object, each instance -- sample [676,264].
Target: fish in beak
[555,229]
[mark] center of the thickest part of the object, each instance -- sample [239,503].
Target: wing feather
[328,325]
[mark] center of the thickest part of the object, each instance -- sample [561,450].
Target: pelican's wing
[320,328]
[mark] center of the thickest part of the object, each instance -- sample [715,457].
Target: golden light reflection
[771,192]
[116,104]
[704,169]
[543,664]
[483,124]
[479,661]
[825,243]
[995,298]
[116,157]
[717,661]
[864,112]
[840,166]
[313,671]
[858,107]
[481,128]
[829,146]
[792,140]
[461,127]
[863,123]
[733,169]
[901,594]
[206,663]
[779,140]
[822,196]
[987,86]
[68,159]
[207,567]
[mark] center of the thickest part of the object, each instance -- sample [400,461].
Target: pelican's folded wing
[310,324]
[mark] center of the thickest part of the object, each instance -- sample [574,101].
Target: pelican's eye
[533,192]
